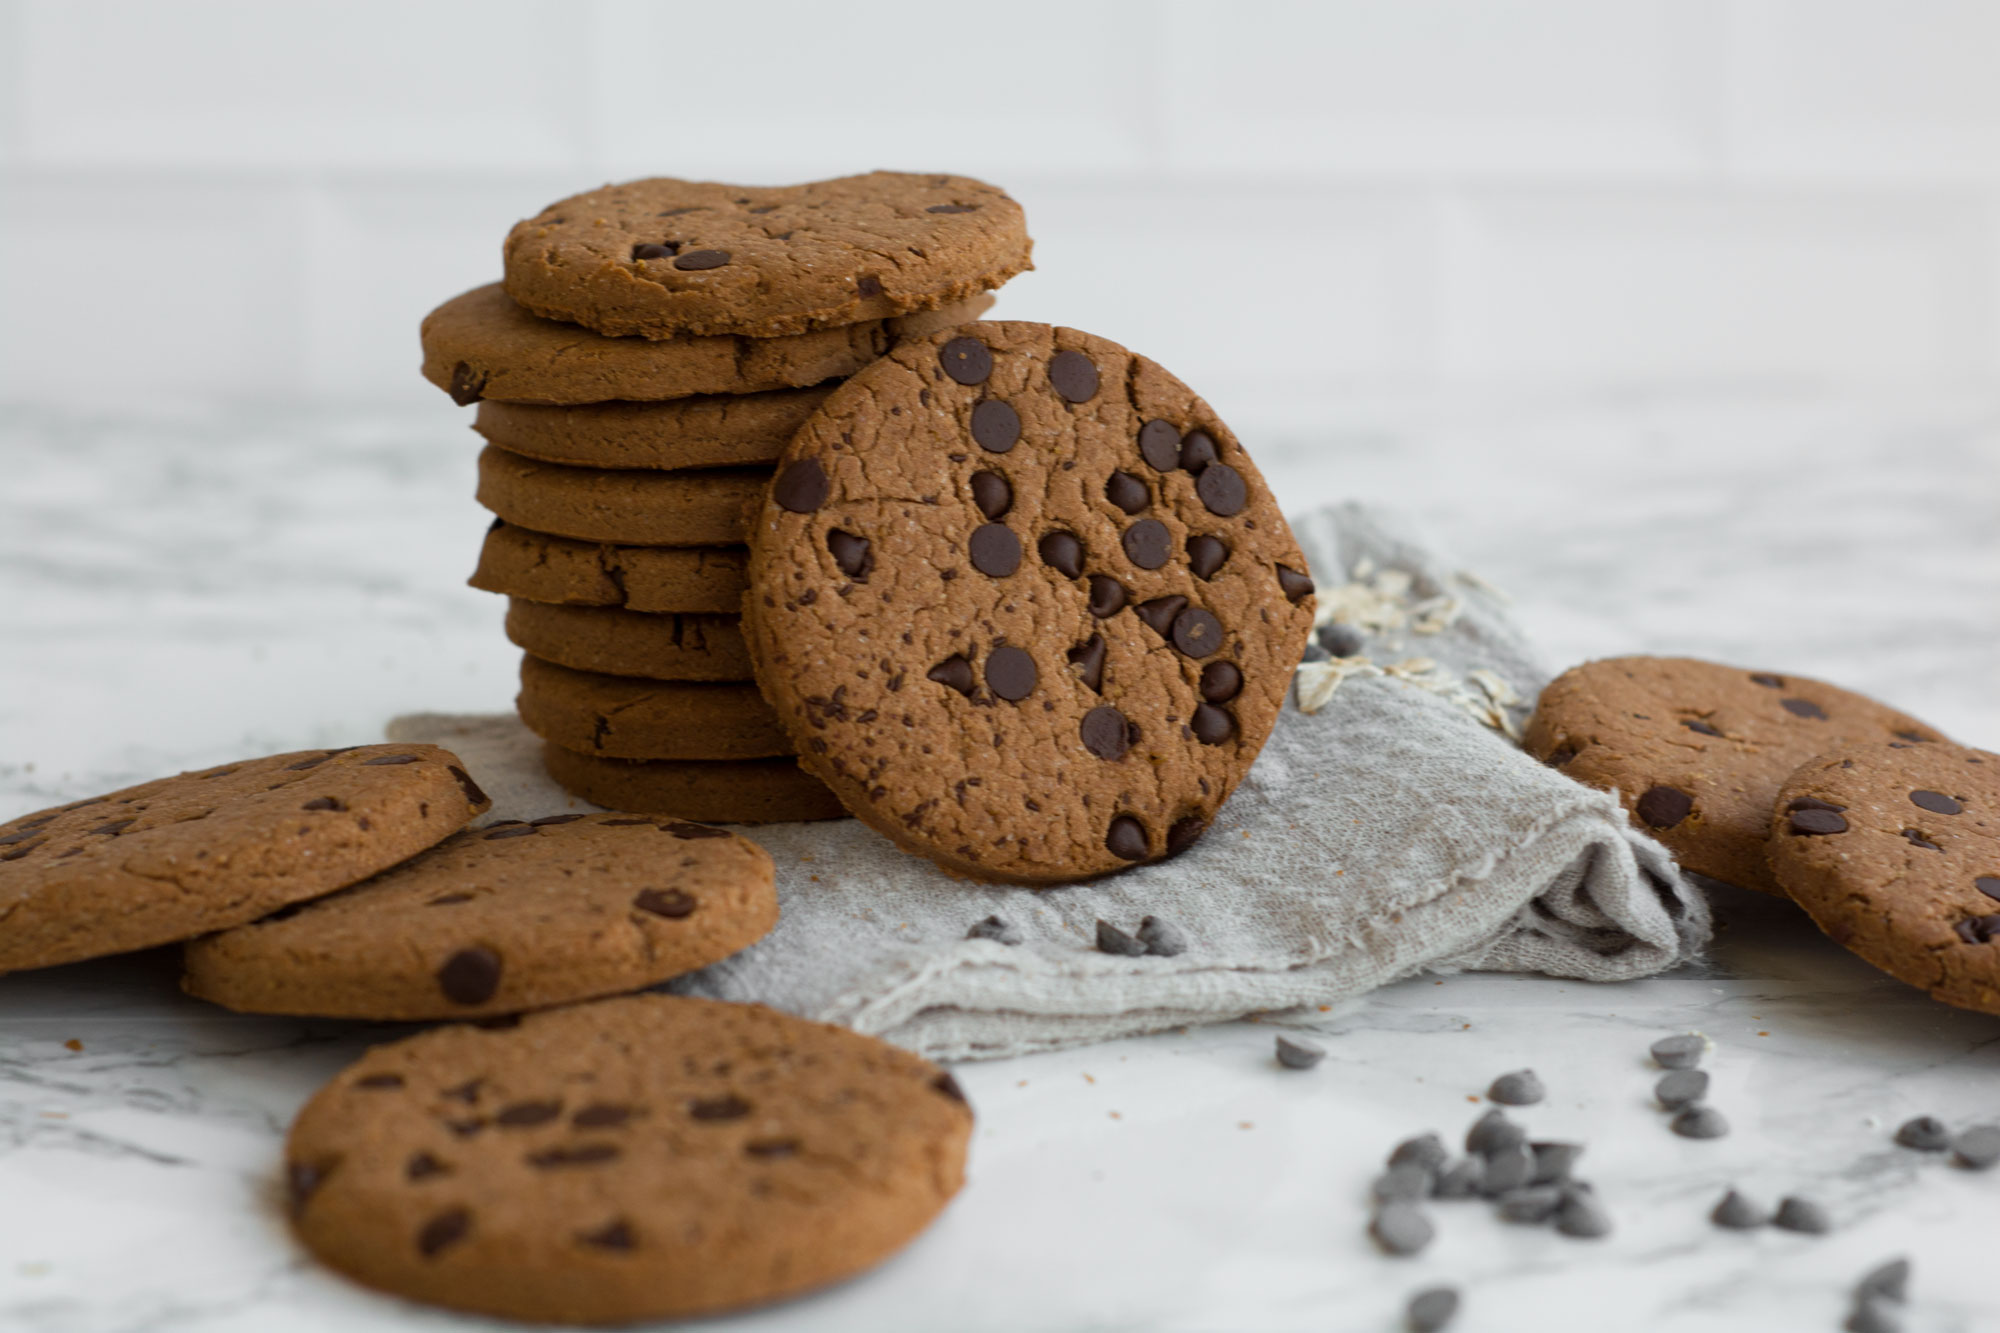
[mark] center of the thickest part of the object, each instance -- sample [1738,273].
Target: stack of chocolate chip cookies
[650,353]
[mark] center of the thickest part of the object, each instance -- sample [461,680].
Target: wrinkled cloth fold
[1393,829]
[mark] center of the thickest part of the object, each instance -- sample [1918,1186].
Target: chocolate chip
[1206,554]
[1769,682]
[470,976]
[1889,1281]
[669,903]
[1197,451]
[421,1165]
[1554,1162]
[1112,940]
[447,1228]
[1816,822]
[1400,1227]
[1211,725]
[1160,445]
[1128,493]
[1088,657]
[687,832]
[1988,885]
[1222,490]
[1103,732]
[1739,1213]
[510,831]
[1298,1053]
[1695,724]
[1293,584]
[1197,633]
[1919,840]
[112,829]
[1508,1169]
[313,762]
[1073,375]
[948,1085]
[1803,708]
[951,208]
[854,555]
[1220,682]
[1425,1150]
[1409,1181]
[13,838]
[583,1154]
[521,1115]
[1925,1133]
[992,494]
[1062,552]
[1520,1088]
[1126,838]
[382,759]
[953,673]
[1163,939]
[694,261]
[1663,807]
[1935,802]
[1531,1204]
[770,1149]
[996,426]
[1679,1052]
[1148,544]
[1682,1087]
[995,928]
[615,1235]
[802,487]
[1184,833]
[1493,1132]
[1340,640]
[651,250]
[969,362]
[1160,612]
[380,1081]
[1813,803]
[1802,1215]
[1979,929]
[324,803]
[1699,1122]
[1582,1216]
[1976,1148]
[1107,596]
[467,385]
[995,550]
[1431,1310]
[867,285]
[1011,673]
[601,1115]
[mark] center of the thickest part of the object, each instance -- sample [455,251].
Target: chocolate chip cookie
[499,919]
[630,643]
[718,791]
[537,567]
[621,717]
[709,507]
[1894,850]
[638,1158]
[663,257]
[176,857]
[481,346]
[1696,750]
[713,430]
[1024,603]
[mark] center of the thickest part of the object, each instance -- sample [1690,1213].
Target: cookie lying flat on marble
[660,257]
[1697,751]
[1024,603]
[1895,853]
[537,567]
[482,346]
[714,430]
[623,717]
[639,1158]
[630,643]
[717,791]
[177,857]
[502,918]
[706,507]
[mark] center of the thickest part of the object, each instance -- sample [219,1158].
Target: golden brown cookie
[714,430]
[1696,750]
[537,567]
[639,1158]
[499,919]
[621,717]
[1894,850]
[709,507]
[718,791]
[1024,603]
[176,857]
[662,257]
[482,346]
[630,643]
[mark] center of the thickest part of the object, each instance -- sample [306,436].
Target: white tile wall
[1283,199]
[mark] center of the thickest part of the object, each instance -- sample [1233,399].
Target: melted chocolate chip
[1010,672]
[1089,657]
[1803,708]
[968,361]
[521,1115]
[992,494]
[1663,807]
[1160,445]
[1160,612]
[996,426]
[1815,822]
[1206,554]
[1197,451]
[1126,839]
[1197,633]
[470,976]
[1221,682]
[867,285]
[1936,802]
[694,261]
[1074,376]
[1185,833]
[583,1154]
[1148,544]
[1062,552]
[995,550]
[1127,492]
[726,1107]
[953,673]
[1222,490]
[1211,725]
[614,1235]
[446,1229]
[853,554]
[601,1115]
[951,208]
[324,803]
[1107,596]
[1293,584]
[1103,732]
[802,487]
[669,903]
[466,385]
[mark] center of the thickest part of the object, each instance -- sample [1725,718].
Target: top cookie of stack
[701,324]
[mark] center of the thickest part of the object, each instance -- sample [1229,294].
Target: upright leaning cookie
[639,1158]
[176,857]
[1024,603]
[1894,850]
[503,918]
[1697,750]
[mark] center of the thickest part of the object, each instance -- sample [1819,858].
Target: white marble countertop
[203,584]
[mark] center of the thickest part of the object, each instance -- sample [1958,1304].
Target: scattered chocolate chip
[1768,681]
[509,831]
[381,759]
[1462,1179]
[1340,640]
[1128,493]
[995,928]
[1160,445]
[1739,1213]
[1520,1088]
[1148,544]
[1088,658]
[854,555]
[1163,939]
[992,494]
[1073,376]
[582,1154]
[1197,451]
[1507,1169]
[996,426]
[1682,1087]
[1112,940]
[1699,1122]
[1977,1148]
[1431,1310]
[695,261]
[669,903]
[1293,584]
[1062,552]
[1814,823]
[1679,1052]
[470,976]
[1802,1215]
[1103,732]
[1206,554]
[995,550]
[1935,802]
[1554,1162]
[1221,682]
[1581,1216]
[614,1235]
[1408,1181]
[377,1082]
[1695,724]
[1889,1281]
[522,1115]
[1663,807]
[1425,1150]
[968,361]
[1531,1204]
[1222,490]
[652,250]
[1400,1227]
[1925,1133]
[446,1229]
[1011,673]
[1211,725]
[1493,1132]
[1160,612]
[1184,833]
[1126,838]
[601,1115]
[422,1165]
[1197,633]
[1107,596]
[726,1107]
[953,673]
[1312,652]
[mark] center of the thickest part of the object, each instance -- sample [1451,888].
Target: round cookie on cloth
[630,643]
[482,346]
[1024,603]
[1697,750]
[540,568]
[640,1158]
[707,507]
[623,717]
[719,791]
[1894,851]
[499,919]
[178,857]
[662,257]
[714,430]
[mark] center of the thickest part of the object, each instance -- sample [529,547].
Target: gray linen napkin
[1390,827]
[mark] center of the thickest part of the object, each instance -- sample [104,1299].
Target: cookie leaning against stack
[628,446]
